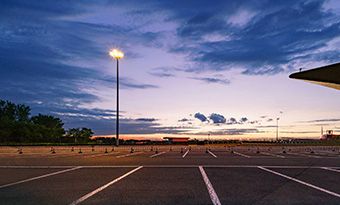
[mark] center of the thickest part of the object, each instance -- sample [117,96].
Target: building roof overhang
[328,76]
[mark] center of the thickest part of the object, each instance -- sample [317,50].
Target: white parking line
[243,155]
[36,167]
[95,155]
[330,169]
[131,154]
[86,196]
[39,177]
[185,154]
[155,155]
[324,152]
[301,182]
[212,154]
[61,155]
[274,155]
[304,155]
[99,155]
[213,196]
[165,166]
[315,155]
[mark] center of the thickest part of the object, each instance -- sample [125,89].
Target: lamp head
[117,54]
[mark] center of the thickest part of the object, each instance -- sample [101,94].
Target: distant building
[137,142]
[330,135]
[174,140]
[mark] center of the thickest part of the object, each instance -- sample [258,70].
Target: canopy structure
[328,76]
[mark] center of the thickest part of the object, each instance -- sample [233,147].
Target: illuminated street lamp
[117,54]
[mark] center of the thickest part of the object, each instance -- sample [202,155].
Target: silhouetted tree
[17,126]
[22,113]
[80,135]
[14,121]
[48,128]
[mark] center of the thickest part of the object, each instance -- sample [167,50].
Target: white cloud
[216,37]
[332,5]
[241,17]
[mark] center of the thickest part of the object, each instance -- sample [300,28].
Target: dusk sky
[190,67]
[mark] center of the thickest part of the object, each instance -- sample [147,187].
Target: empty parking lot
[170,175]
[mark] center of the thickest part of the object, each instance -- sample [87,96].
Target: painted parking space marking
[96,155]
[304,155]
[185,154]
[127,155]
[170,166]
[331,169]
[243,155]
[39,177]
[212,154]
[35,167]
[330,152]
[274,155]
[47,155]
[66,155]
[155,155]
[86,196]
[100,155]
[213,196]
[301,182]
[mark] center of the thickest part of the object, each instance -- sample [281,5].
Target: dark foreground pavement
[180,176]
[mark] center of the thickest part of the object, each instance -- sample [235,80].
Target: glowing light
[117,54]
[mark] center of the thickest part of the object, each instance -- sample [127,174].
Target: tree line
[18,126]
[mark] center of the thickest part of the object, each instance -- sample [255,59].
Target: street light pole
[117,54]
[117,106]
[277,129]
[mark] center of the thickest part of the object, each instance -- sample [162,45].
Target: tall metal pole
[277,129]
[117,106]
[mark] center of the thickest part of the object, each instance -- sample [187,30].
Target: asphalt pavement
[170,175]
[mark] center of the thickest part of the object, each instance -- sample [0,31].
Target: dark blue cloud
[322,120]
[232,121]
[104,126]
[38,9]
[200,18]
[201,117]
[39,50]
[184,120]
[217,118]
[216,80]
[161,74]
[102,121]
[40,42]
[146,119]
[280,36]
[243,120]
[233,131]
[254,122]
[165,72]
[87,113]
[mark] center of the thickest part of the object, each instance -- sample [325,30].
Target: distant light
[117,54]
